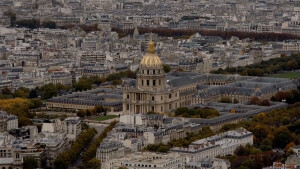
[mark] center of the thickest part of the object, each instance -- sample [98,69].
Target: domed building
[151,92]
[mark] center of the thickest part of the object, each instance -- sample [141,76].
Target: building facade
[151,92]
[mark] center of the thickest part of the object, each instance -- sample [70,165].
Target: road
[78,161]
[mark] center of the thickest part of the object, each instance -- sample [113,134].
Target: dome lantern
[151,59]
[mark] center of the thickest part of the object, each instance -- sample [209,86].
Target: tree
[166,68]
[24,121]
[225,100]
[90,153]
[33,93]
[282,138]
[48,91]
[81,113]
[64,159]
[29,23]
[62,162]
[30,163]
[266,144]
[100,109]
[21,92]
[181,110]
[291,65]
[6,91]
[36,103]
[288,148]
[84,126]
[285,120]
[116,82]
[49,24]
[94,164]
[249,164]
[254,101]
[12,17]
[264,102]
[82,85]
[241,151]
[163,149]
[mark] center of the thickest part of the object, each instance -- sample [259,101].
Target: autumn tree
[288,148]
[166,68]
[225,100]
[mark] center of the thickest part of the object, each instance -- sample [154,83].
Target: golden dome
[151,59]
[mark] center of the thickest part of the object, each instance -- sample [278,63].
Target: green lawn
[102,118]
[291,75]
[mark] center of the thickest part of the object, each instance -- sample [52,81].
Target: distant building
[147,160]
[219,145]
[8,122]
[291,46]
[210,163]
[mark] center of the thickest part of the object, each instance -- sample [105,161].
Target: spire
[151,48]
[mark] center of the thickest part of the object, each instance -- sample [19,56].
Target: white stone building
[7,121]
[147,160]
[221,144]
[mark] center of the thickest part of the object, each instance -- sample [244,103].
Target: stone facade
[151,92]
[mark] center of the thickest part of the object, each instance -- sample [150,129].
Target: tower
[151,92]
[151,75]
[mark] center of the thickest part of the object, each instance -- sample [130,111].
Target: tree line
[168,32]
[89,155]
[44,92]
[35,23]
[196,112]
[93,111]
[66,158]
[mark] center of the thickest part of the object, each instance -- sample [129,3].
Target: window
[142,82]
[128,96]
[154,82]
[148,72]
[170,95]
[153,98]
[159,82]
[147,82]
[138,97]
[154,72]
[161,109]
[152,108]
[127,107]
